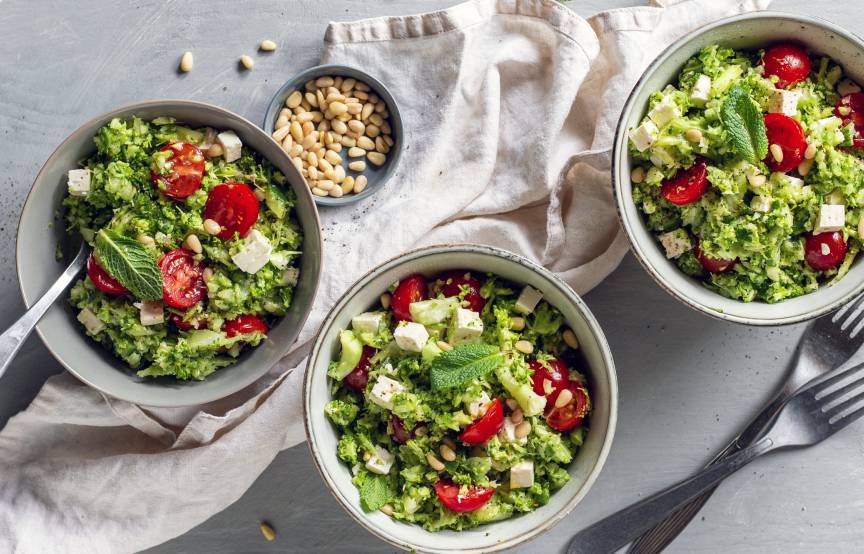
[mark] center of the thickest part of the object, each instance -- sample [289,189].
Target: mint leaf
[463,364]
[374,492]
[130,263]
[743,122]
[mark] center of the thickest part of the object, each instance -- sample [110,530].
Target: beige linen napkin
[509,109]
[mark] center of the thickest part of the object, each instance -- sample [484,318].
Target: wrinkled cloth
[509,110]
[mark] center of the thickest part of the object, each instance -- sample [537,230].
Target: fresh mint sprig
[462,364]
[743,122]
[132,265]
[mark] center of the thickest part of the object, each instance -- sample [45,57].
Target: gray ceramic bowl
[377,175]
[39,232]
[601,379]
[748,31]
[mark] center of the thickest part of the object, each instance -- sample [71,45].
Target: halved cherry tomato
[246,323]
[359,376]
[182,279]
[786,133]
[557,374]
[486,426]
[178,322]
[688,185]
[789,62]
[714,265]
[855,102]
[187,170]
[825,250]
[410,289]
[473,498]
[234,207]
[453,283]
[101,279]
[572,413]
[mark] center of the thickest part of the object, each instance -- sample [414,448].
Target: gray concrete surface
[687,382]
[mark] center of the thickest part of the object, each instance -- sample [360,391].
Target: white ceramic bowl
[602,383]
[749,31]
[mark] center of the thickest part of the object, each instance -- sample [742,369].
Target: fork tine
[854,314]
[847,419]
[845,308]
[838,394]
[828,383]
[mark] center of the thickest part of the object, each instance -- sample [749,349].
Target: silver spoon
[14,337]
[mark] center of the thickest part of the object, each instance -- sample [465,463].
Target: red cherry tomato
[557,374]
[471,499]
[855,103]
[453,283]
[182,281]
[187,169]
[410,289]
[789,62]
[178,322]
[359,376]
[825,250]
[400,434]
[246,323]
[571,414]
[101,279]
[714,265]
[787,133]
[688,185]
[486,426]
[234,207]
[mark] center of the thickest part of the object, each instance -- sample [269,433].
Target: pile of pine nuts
[332,114]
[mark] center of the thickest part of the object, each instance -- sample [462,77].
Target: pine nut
[570,339]
[434,462]
[381,145]
[296,131]
[810,153]
[339,173]
[308,128]
[281,121]
[324,82]
[335,97]
[389,140]
[211,227]
[360,184]
[348,84]
[312,99]
[365,143]
[522,430]
[336,147]
[281,132]
[357,126]
[380,108]
[309,85]
[445,346]
[339,127]
[517,323]
[512,404]
[268,532]
[385,300]
[335,192]
[637,175]
[524,346]
[517,416]
[358,166]
[354,108]
[333,157]
[247,62]
[305,117]
[356,152]
[385,127]
[326,184]
[373,130]
[348,185]
[325,165]
[318,192]
[193,244]
[295,150]
[564,398]
[267,45]
[376,119]
[186,62]
[776,153]
[362,86]
[309,140]
[386,509]
[447,453]
[376,158]
[146,240]
[207,274]
[805,166]
[338,108]
[693,135]
[320,100]
[367,111]
[215,150]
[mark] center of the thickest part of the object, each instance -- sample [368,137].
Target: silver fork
[827,343]
[808,418]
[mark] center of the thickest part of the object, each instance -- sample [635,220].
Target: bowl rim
[556,281]
[383,92]
[242,383]
[619,154]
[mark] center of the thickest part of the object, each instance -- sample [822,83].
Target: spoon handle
[14,337]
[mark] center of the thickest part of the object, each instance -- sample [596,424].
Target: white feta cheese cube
[832,217]
[411,336]
[467,327]
[784,101]
[78,182]
[92,323]
[528,300]
[290,277]
[760,204]
[701,91]
[152,312]
[477,406]
[384,390]
[368,322]
[664,111]
[509,432]
[675,243]
[231,145]
[522,475]
[847,86]
[644,135]
[381,461]
[254,254]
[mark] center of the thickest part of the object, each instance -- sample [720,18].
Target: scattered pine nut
[146,240]
[211,227]
[445,346]
[570,339]
[810,152]
[517,416]
[215,150]
[693,135]
[207,274]
[268,531]
[186,62]
[193,243]
[447,453]
[517,323]
[376,158]
[434,462]
[357,166]
[360,184]
[524,346]
[776,153]
[805,166]
[637,175]
[524,429]
[386,509]
[564,398]
[267,45]
[247,61]
[385,300]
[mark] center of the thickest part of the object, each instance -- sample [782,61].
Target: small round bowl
[584,469]
[39,233]
[748,31]
[376,175]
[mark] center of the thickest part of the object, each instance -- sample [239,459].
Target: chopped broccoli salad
[458,401]
[195,246]
[749,169]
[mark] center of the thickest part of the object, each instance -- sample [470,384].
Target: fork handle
[610,534]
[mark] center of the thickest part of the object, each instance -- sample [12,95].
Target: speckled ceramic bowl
[322,435]
[748,31]
[39,233]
